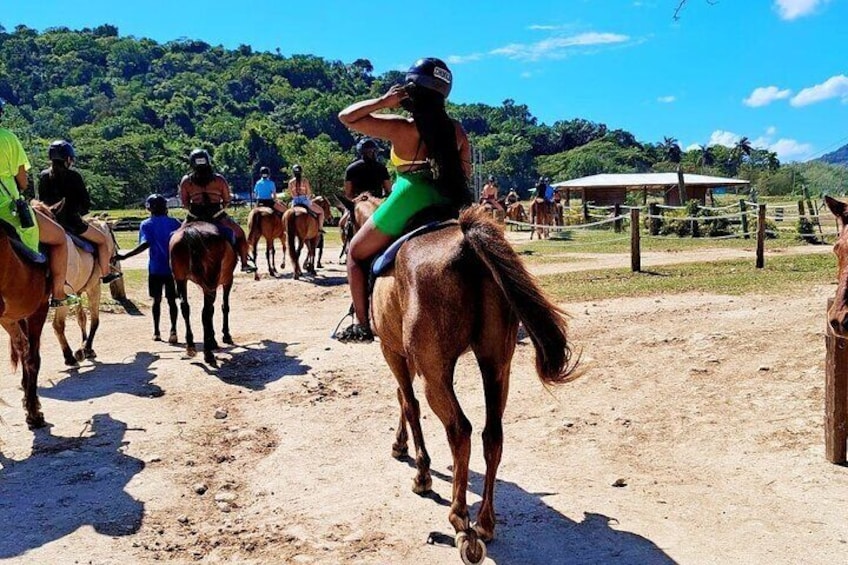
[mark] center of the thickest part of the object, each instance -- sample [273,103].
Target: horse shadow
[328,281]
[102,379]
[254,366]
[530,532]
[65,484]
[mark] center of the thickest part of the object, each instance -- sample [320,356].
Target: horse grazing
[24,297]
[84,278]
[263,222]
[541,214]
[460,287]
[201,254]
[516,213]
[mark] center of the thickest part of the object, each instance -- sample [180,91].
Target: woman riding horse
[60,182]
[433,160]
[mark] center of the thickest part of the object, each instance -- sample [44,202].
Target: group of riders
[429,150]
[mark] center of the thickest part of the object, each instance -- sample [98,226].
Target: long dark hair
[202,175]
[58,168]
[438,132]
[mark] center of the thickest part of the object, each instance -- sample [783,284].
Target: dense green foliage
[134,108]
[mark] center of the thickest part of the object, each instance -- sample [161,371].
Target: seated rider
[14,165]
[60,182]
[367,174]
[206,195]
[512,197]
[489,194]
[264,190]
[301,194]
[433,160]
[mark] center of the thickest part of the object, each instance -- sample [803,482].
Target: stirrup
[69,300]
[111,277]
[357,333]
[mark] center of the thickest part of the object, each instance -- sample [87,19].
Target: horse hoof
[212,346]
[71,362]
[472,552]
[90,354]
[79,355]
[191,351]
[422,488]
[256,276]
[400,451]
[209,357]
[228,339]
[172,339]
[35,420]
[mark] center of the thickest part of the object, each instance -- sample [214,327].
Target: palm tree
[772,162]
[706,158]
[741,150]
[671,149]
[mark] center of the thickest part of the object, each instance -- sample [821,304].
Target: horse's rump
[199,252]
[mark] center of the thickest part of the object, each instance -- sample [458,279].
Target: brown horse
[23,310]
[201,254]
[516,213]
[302,228]
[837,315]
[460,287]
[84,278]
[263,222]
[541,214]
[359,209]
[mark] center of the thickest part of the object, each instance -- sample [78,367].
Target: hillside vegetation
[134,108]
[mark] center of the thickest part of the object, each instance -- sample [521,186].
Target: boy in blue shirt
[155,234]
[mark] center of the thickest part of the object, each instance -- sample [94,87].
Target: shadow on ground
[95,380]
[255,365]
[65,484]
[530,532]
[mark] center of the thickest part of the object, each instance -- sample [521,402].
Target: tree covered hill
[838,157]
[134,108]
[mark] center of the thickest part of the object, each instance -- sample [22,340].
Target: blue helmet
[365,143]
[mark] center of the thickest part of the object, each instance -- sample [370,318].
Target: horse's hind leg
[320,249]
[94,307]
[225,311]
[182,293]
[206,316]
[409,412]
[59,329]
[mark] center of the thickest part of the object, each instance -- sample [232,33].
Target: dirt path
[708,408]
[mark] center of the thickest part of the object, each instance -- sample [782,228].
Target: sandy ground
[707,408]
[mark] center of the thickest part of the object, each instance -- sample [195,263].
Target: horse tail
[544,321]
[290,219]
[205,273]
[254,226]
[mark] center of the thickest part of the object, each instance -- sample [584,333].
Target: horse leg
[206,316]
[255,251]
[410,412]
[442,400]
[94,306]
[31,367]
[182,293]
[225,311]
[271,256]
[82,320]
[320,249]
[59,329]
[283,247]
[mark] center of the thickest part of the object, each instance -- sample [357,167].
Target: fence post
[585,211]
[635,251]
[761,235]
[654,211]
[616,211]
[836,395]
[696,232]
[742,209]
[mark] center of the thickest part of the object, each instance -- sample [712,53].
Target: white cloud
[556,47]
[792,9]
[726,138]
[834,87]
[459,59]
[771,130]
[791,150]
[540,27]
[692,147]
[666,99]
[765,95]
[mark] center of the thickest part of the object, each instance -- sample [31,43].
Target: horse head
[837,314]
[49,211]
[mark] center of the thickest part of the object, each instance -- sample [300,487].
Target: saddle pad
[83,244]
[386,259]
[304,208]
[20,248]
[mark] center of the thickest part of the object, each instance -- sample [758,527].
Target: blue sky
[772,70]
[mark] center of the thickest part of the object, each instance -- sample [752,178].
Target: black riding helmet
[156,202]
[297,169]
[264,171]
[365,143]
[199,157]
[432,74]
[60,150]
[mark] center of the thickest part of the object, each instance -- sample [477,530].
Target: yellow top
[398,162]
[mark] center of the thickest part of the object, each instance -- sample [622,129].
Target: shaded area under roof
[641,181]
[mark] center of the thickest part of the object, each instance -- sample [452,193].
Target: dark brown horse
[201,254]
[456,288]
[541,215]
[263,222]
[356,212]
[837,315]
[302,229]
[23,309]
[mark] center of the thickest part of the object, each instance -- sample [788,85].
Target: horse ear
[55,208]
[838,208]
